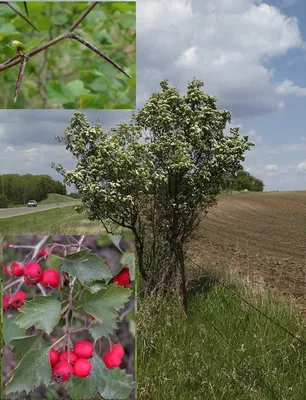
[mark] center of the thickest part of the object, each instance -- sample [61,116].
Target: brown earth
[258,236]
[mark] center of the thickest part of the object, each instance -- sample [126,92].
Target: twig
[20,76]
[82,16]
[13,283]
[20,13]
[39,285]
[17,290]
[63,337]
[22,59]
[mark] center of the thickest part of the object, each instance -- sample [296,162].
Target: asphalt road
[14,212]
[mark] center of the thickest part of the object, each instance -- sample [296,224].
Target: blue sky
[251,55]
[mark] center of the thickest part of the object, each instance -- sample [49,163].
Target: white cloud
[9,149]
[288,87]
[223,42]
[302,167]
[271,167]
[189,58]
[254,137]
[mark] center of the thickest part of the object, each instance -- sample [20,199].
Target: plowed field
[260,236]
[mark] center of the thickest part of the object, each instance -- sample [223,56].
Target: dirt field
[260,236]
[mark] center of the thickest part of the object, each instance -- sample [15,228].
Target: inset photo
[68,317]
[68,55]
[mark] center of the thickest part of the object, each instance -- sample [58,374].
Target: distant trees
[3,201]
[19,189]
[243,180]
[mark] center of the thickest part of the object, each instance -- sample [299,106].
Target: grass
[54,198]
[249,358]
[62,221]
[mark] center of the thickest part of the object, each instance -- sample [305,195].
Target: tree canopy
[157,175]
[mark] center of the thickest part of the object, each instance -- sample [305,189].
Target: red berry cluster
[32,274]
[123,278]
[112,358]
[78,363]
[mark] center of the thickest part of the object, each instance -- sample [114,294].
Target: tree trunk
[181,261]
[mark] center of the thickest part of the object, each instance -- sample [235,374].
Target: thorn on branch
[22,59]
[20,13]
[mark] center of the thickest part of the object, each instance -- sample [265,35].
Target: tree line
[243,180]
[19,189]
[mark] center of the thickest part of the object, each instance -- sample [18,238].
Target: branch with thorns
[22,59]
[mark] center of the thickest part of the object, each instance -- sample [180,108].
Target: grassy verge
[62,221]
[54,198]
[249,358]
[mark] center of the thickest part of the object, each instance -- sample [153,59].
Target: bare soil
[259,236]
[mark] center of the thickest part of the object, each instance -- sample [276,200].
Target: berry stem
[13,283]
[17,290]
[41,289]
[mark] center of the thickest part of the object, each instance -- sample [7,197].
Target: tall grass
[221,350]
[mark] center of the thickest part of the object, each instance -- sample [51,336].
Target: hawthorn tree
[157,175]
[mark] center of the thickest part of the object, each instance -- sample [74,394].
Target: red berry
[82,368]
[83,349]
[19,299]
[6,270]
[44,252]
[111,360]
[117,349]
[72,357]
[17,268]
[8,245]
[5,300]
[32,273]
[62,371]
[123,278]
[50,278]
[53,357]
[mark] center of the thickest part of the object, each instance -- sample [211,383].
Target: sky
[251,55]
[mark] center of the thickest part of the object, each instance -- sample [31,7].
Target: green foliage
[11,330]
[157,175]
[99,329]
[86,267]
[244,180]
[103,304]
[43,312]
[3,201]
[68,74]
[33,369]
[19,189]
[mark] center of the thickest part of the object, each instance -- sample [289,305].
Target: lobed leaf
[44,312]
[86,267]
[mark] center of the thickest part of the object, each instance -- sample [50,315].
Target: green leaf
[77,87]
[103,304]
[86,267]
[33,369]
[128,260]
[99,329]
[11,329]
[43,312]
[25,344]
[59,93]
[118,385]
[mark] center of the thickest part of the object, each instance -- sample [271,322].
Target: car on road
[32,203]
